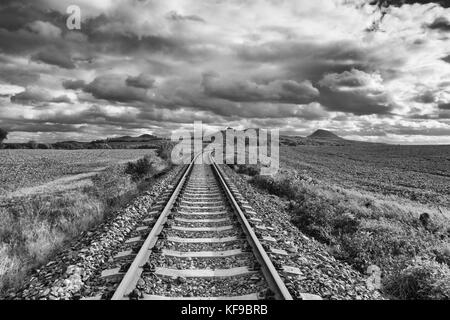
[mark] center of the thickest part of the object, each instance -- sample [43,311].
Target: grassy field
[34,225]
[419,173]
[30,168]
[373,206]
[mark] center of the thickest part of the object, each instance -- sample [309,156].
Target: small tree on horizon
[33,144]
[3,135]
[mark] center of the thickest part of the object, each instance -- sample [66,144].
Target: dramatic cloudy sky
[150,66]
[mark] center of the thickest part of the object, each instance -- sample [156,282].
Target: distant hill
[145,141]
[321,138]
[325,135]
[142,138]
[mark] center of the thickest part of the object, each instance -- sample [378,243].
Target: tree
[3,134]
[33,144]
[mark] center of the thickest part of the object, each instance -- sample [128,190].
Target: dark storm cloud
[23,26]
[35,96]
[152,63]
[54,56]
[310,60]
[94,115]
[61,99]
[426,97]
[31,96]
[288,51]
[113,88]
[73,84]
[141,81]
[283,91]
[36,126]
[440,23]
[444,105]
[173,15]
[16,14]
[355,102]
[19,42]
[354,91]
[105,40]
[14,75]
[399,3]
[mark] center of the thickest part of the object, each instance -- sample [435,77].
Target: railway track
[201,245]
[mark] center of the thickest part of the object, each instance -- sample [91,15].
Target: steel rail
[129,281]
[270,273]
[134,272]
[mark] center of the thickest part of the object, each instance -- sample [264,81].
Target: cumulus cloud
[355,91]
[73,84]
[35,96]
[45,29]
[441,23]
[295,65]
[426,97]
[54,57]
[444,105]
[141,81]
[113,88]
[283,91]
[175,16]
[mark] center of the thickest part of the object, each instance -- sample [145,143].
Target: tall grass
[33,230]
[364,230]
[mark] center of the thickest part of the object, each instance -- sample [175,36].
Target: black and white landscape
[92,91]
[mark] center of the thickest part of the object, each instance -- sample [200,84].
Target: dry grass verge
[364,230]
[34,229]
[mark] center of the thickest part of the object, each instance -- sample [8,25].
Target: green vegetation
[363,230]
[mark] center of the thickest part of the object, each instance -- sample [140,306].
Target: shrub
[164,151]
[384,243]
[140,168]
[442,253]
[282,188]
[363,231]
[45,146]
[250,170]
[33,144]
[424,279]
